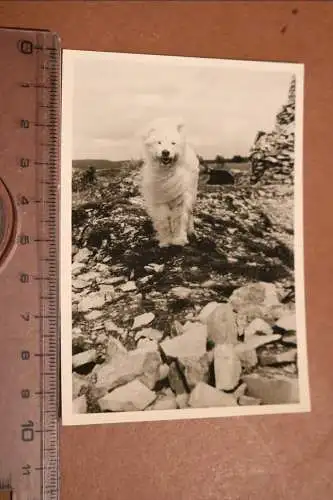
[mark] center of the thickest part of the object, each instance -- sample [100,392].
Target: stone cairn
[272,155]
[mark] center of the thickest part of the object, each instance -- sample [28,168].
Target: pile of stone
[272,155]
[237,353]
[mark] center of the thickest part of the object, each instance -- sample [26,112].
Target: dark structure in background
[219,177]
[213,173]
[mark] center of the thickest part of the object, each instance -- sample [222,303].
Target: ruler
[29,157]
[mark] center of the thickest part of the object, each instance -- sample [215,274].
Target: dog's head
[164,141]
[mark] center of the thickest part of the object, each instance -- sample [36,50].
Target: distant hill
[117,166]
[98,164]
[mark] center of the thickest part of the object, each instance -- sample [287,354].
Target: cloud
[223,107]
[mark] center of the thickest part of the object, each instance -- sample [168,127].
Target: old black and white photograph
[182,280]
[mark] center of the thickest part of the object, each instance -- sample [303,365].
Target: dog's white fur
[169,185]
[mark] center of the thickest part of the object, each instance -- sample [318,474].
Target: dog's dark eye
[173,143]
[159,142]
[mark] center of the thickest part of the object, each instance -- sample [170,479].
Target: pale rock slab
[130,286]
[115,280]
[103,269]
[150,333]
[258,325]
[227,367]
[206,311]
[156,268]
[191,344]
[252,312]
[261,293]
[181,292]
[93,315]
[82,256]
[275,358]
[145,279]
[259,340]
[133,396]
[151,372]
[143,320]
[110,326]
[79,405]
[196,370]
[248,356]
[208,284]
[108,290]
[77,267]
[79,284]
[95,300]
[83,358]
[248,401]
[115,348]
[272,390]
[240,391]
[78,382]
[221,325]
[287,323]
[164,371]
[147,344]
[188,324]
[206,396]
[140,363]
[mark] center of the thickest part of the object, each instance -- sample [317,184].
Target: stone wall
[272,155]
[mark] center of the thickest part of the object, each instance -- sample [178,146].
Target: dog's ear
[148,133]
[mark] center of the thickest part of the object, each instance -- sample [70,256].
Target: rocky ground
[211,324]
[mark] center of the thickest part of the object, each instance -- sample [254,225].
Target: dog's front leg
[190,225]
[180,219]
[162,224]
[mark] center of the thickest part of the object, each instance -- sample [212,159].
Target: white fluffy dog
[169,181]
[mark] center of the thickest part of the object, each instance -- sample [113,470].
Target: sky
[222,107]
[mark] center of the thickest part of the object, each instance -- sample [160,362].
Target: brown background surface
[281,457]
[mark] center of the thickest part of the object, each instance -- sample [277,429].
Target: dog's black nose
[165,153]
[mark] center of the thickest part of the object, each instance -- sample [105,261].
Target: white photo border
[68,417]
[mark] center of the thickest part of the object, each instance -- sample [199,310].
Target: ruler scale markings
[37,72]
[46,89]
